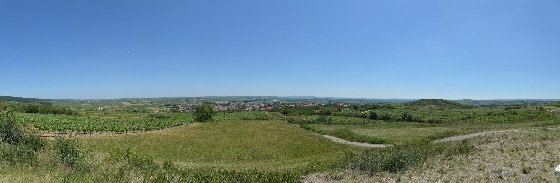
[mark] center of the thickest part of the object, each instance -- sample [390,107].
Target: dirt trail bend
[462,137]
[342,141]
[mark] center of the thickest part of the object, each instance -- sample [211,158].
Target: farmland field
[273,145]
[90,122]
[281,145]
[103,123]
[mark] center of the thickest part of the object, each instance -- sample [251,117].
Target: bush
[34,142]
[298,111]
[140,162]
[204,113]
[18,154]
[372,116]
[325,112]
[11,132]
[385,117]
[43,109]
[19,146]
[68,150]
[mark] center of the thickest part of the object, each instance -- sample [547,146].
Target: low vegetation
[124,122]
[280,145]
[90,123]
[204,113]
[399,158]
[525,156]
[436,103]
[213,152]
[237,145]
[43,109]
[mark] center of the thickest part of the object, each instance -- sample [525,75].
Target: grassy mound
[230,145]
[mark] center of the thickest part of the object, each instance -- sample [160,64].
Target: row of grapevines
[89,124]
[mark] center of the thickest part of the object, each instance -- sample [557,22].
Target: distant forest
[25,100]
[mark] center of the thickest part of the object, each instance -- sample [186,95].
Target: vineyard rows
[95,122]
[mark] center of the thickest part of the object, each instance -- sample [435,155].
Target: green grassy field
[393,133]
[122,122]
[231,145]
[231,151]
[253,146]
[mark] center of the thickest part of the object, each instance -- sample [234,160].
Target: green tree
[407,117]
[372,115]
[204,113]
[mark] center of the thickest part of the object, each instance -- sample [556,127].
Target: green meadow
[274,145]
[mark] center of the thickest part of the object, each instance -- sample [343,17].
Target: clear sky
[477,49]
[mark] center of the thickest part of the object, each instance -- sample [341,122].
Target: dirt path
[342,141]
[462,137]
[448,139]
[110,134]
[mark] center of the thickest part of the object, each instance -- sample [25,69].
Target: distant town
[239,103]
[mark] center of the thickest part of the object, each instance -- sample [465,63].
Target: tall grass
[343,133]
[347,134]
[237,145]
[401,157]
[133,166]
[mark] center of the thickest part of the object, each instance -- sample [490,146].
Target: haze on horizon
[69,49]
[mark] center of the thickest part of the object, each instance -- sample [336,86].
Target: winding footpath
[473,135]
[448,139]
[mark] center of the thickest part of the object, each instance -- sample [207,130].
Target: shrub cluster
[18,145]
[399,158]
[43,109]
[71,155]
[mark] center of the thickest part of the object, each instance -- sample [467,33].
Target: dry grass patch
[524,156]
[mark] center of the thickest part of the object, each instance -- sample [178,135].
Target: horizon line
[293,96]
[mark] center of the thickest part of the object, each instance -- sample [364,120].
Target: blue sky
[475,49]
